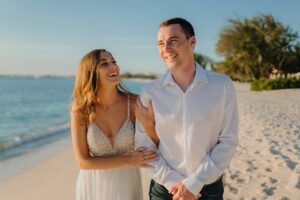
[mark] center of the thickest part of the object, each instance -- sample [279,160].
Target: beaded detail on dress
[100,145]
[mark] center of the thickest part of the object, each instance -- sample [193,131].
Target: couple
[186,134]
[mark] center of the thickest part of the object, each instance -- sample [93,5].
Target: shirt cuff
[193,184]
[173,179]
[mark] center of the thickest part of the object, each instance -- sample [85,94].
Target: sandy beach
[266,164]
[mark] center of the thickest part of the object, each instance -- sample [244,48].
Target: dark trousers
[212,191]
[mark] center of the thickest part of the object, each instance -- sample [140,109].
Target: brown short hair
[186,26]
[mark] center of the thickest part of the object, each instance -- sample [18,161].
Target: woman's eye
[104,64]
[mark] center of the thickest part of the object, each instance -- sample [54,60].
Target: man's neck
[184,76]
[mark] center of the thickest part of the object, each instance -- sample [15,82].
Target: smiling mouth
[170,57]
[113,75]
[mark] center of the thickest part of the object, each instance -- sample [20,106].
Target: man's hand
[174,189]
[180,192]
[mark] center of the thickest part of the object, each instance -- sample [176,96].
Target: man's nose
[167,47]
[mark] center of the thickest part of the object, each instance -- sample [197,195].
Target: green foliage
[139,76]
[280,83]
[203,60]
[254,47]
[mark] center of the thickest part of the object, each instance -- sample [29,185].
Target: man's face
[174,48]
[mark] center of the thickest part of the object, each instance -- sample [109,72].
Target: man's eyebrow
[173,37]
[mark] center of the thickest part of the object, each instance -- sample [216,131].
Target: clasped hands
[180,192]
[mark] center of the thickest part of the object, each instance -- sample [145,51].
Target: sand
[266,164]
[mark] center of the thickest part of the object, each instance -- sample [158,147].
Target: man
[196,121]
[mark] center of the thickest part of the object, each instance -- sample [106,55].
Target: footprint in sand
[269,190]
[233,189]
[273,180]
[268,169]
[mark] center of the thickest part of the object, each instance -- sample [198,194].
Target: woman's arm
[145,115]
[139,158]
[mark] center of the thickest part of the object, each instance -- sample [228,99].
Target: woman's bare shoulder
[79,116]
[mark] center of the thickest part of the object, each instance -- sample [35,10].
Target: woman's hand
[141,157]
[145,115]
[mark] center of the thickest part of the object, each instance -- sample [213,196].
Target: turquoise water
[36,108]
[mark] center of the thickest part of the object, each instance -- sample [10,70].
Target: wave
[39,136]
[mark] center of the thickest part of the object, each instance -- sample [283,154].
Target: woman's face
[108,69]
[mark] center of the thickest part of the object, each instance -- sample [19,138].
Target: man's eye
[173,41]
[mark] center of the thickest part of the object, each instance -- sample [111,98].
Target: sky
[39,37]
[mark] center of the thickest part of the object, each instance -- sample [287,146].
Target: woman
[102,123]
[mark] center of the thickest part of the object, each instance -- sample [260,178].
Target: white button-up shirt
[198,129]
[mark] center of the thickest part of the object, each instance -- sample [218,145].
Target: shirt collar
[200,76]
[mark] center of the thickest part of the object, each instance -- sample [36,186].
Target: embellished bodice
[100,145]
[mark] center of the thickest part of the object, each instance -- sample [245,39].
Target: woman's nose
[114,65]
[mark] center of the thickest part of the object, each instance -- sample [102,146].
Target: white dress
[111,184]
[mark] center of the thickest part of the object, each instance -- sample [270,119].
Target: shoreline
[34,139]
[139,80]
[10,167]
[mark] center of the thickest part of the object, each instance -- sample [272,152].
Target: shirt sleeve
[214,164]
[161,173]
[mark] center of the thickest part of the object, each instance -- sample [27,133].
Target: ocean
[35,111]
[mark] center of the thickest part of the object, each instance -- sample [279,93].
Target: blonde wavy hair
[86,87]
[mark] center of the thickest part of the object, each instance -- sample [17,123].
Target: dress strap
[128,107]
